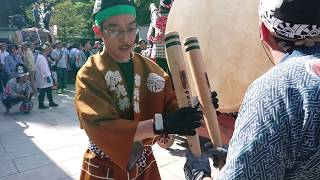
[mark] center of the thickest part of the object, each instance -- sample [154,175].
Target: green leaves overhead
[73,17]
[143,12]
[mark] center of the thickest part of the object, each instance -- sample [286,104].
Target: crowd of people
[126,103]
[28,69]
[48,67]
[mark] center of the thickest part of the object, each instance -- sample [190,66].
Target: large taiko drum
[228,32]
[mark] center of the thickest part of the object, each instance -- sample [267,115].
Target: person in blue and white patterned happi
[277,132]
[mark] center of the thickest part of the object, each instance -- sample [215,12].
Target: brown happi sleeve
[100,119]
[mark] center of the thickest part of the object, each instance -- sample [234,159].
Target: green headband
[113,11]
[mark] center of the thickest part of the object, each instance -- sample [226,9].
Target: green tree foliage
[73,17]
[143,12]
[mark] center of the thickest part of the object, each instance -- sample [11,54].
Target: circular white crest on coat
[155,83]
[112,79]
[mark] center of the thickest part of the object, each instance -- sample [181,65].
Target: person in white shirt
[83,54]
[3,52]
[60,55]
[44,78]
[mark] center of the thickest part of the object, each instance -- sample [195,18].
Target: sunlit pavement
[48,144]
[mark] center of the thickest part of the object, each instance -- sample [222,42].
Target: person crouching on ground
[44,78]
[17,90]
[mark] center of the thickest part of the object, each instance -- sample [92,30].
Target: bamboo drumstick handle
[177,68]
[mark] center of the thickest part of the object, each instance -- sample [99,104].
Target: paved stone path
[48,144]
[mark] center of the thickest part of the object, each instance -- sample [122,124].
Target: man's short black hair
[25,69]
[10,47]
[84,42]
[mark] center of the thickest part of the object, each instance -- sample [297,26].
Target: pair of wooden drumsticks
[177,68]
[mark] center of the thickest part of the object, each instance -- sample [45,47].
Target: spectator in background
[4,77]
[19,51]
[60,56]
[141,46]
[96,48]
[147,52]
[28,60]
[156,33]
[73,54]
[66,47]
[44,78]
[83,54]
[3,52]
[18,89]
[102,47]
[74,51]
[52,66]
[12,60]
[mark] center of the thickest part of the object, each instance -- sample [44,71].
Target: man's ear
[271,47]
[96,29]
[267,38]
[264,32]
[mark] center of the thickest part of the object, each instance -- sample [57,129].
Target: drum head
[228,32]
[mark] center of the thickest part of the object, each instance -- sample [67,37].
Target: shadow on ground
[44,144]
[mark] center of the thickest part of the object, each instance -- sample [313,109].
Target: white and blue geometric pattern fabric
[277,132]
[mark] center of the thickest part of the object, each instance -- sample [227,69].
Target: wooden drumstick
[180,81]
[202,87]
